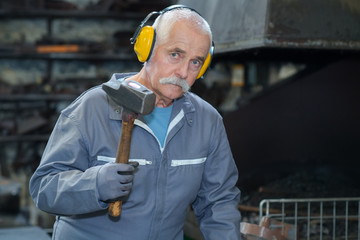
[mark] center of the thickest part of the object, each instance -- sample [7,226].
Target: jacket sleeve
[216,205]
[64,184]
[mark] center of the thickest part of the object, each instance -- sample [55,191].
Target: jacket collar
[184,103]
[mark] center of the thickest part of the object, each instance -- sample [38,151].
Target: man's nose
[182,70]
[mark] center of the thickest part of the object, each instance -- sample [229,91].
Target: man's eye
[196,62]
[174,55]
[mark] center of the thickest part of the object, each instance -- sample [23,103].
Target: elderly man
[181,147]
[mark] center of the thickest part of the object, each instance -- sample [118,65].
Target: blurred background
[285,77]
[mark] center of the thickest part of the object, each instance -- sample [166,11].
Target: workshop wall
[50,52]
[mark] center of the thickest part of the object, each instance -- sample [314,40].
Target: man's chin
[174,92]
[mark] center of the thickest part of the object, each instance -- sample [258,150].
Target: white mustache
[176,81]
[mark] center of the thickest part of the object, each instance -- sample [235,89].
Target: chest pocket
[184,179]
[184,162]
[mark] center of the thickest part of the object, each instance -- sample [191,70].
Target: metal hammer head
[130,95]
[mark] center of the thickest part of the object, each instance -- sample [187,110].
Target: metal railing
[318,218]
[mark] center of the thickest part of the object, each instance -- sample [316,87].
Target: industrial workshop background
[285,78]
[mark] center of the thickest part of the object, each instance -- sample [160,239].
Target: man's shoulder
[90,100]
[93,99]
[201,105]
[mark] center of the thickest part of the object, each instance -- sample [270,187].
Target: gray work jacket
[195,167]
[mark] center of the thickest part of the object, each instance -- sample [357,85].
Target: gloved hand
[114,180]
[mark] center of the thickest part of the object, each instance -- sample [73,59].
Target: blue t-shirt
[158,121]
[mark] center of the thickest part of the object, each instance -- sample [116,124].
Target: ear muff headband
[144,39]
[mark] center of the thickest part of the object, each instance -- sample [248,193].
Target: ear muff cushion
[144,43]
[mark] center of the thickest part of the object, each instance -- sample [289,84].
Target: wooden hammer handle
[122,156]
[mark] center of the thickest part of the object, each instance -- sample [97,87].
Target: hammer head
[130,95]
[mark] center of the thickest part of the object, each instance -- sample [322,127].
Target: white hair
[164,23]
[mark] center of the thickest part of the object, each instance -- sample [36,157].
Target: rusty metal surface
[301,24]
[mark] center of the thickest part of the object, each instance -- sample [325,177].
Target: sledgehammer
[135,99]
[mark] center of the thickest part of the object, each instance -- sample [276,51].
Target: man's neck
[162,104]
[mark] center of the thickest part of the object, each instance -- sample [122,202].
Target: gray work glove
[114,180]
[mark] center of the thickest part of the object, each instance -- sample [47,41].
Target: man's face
[180,57]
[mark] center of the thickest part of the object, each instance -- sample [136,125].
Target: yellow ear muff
[204,66]
[207,62]
[144,43]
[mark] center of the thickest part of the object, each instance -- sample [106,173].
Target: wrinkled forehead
[188,36]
